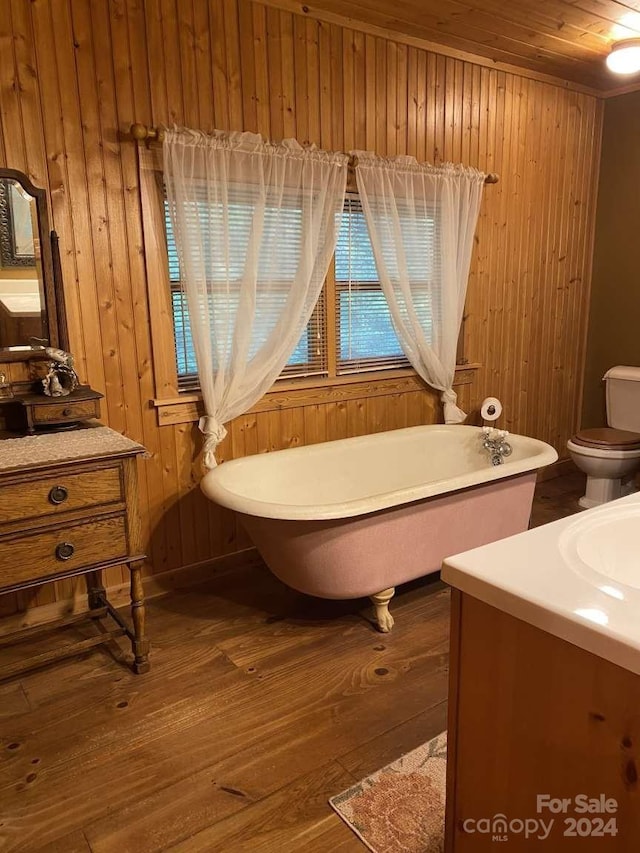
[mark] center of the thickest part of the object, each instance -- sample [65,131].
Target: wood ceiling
[563,38]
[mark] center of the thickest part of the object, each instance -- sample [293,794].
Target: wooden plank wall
[75,73]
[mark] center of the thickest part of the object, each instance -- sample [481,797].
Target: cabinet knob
[67,412]
[64,551]
[58,494]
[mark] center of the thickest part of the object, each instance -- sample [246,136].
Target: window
[364,335]
[308,358]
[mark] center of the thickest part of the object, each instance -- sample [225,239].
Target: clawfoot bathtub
[359,516]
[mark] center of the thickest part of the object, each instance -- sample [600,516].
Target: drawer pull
[58,494]
[64,551]
[67,413]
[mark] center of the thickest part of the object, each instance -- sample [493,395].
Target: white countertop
[577,578]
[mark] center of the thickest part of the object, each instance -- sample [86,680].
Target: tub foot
[381,602]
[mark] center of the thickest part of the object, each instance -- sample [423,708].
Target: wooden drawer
[60,493]
[65,549]
[56,413]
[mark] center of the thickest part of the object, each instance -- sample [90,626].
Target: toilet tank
[623,397]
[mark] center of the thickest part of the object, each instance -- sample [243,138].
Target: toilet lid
[614,439]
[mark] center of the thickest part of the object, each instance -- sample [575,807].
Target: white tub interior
[354,476]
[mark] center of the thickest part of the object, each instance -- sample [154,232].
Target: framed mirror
[31,305]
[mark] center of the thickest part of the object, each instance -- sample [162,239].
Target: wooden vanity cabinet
[533,715]
[69,507]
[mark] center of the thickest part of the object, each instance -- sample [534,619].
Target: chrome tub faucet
[494,441]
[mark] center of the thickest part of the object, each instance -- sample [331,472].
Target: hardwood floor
[261,704]
[557,498]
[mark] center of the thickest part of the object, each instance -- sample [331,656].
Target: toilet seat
[607,438]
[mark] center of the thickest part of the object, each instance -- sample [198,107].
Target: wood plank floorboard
[288,819]
[260,705]
[75,842]
[382,750]
[13,699]
[557,498]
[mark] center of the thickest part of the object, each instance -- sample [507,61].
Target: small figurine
[61,378]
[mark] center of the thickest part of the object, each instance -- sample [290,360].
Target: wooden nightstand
[68,507]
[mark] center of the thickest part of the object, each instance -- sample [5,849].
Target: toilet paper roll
[491,409]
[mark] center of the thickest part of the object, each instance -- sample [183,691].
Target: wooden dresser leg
[140,644]
[96,592]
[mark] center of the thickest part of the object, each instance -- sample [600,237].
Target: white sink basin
[604,547]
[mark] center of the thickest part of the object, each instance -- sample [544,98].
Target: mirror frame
[54,320]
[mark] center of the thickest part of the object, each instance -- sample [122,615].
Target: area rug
[400,809]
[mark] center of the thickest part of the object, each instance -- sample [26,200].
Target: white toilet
[610,456]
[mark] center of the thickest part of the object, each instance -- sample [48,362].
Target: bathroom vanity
[68,489]
[544,713]
[69,508]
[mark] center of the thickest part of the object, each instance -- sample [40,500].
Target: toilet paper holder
[490,409]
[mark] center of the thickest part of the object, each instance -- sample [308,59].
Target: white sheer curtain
[421,221]
[255,227]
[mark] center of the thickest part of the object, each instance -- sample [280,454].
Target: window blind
[366,339]
[225,288]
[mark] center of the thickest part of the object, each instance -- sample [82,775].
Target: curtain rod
[142,133]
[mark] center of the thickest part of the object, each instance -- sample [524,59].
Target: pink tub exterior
[354,557]
[351,518]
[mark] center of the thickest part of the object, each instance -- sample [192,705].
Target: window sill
[292,393]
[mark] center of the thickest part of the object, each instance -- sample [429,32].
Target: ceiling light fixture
[625,57]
